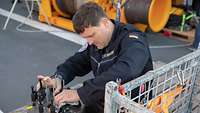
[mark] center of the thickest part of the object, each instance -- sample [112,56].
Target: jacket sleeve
[129,65]
[76,65]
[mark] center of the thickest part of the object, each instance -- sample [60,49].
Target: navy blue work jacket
[127,56]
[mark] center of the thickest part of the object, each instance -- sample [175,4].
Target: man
[113,51]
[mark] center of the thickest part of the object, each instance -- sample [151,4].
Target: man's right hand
[54,83]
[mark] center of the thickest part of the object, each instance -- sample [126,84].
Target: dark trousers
[92,110]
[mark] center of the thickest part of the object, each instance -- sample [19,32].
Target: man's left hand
[66,96]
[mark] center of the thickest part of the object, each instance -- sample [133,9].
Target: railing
[168,89]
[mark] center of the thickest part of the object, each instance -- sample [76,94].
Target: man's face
[97,35]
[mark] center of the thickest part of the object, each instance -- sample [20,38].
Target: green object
[29,107]
[185,18]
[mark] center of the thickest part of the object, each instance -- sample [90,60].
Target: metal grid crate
[168,89]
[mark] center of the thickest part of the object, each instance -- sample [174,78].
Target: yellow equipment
[154,13]
[161,103]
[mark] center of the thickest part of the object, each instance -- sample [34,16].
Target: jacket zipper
[99,63]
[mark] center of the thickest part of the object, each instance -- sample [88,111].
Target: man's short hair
[89,14]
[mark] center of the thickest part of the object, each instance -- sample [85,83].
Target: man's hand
[67,96]
[55,83]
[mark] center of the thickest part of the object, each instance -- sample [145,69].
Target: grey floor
[24,55]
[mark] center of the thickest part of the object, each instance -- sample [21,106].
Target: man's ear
[105,22]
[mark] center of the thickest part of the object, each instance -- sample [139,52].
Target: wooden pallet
[184,35]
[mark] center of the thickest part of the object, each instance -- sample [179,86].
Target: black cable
[18,1]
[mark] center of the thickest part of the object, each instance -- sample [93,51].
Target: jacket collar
[115,36]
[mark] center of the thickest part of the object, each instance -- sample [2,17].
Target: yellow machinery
[162,103]
[154,13]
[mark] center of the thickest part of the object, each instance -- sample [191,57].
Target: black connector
[41,95]
[41,108]
[33,96]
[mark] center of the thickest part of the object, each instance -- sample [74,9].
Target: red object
[121,90]
[142,87]
[167,33]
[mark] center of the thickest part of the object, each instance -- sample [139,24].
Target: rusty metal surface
[70,6]
[137,11]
